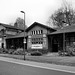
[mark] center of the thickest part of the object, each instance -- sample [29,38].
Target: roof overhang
[68,29]
[17,36]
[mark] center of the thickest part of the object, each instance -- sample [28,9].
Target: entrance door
[55,48]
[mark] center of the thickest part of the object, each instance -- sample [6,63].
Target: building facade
[43,38]
[37,37]
[7,31]
[46,39]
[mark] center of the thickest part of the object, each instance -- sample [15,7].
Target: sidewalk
[68,61]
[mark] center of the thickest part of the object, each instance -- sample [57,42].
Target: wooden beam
[51,43]
[64,42]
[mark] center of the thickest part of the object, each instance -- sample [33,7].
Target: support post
[64,42]
[51,43]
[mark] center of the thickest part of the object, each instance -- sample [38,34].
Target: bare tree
[19,23]
[63,16]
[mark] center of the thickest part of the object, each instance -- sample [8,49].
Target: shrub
[36,53]
[73,52]
[60,53]
[3,50]
[19,51]
[70,51]
[10,51]
[43,51]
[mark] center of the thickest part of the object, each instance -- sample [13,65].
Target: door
[55,48]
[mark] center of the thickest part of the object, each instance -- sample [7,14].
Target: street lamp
[24,33]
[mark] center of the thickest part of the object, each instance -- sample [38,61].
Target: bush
[62,53]
[3,50]
[70,51]
[19,51]
[10,51]
[73,52]
[36,53]
[43,51]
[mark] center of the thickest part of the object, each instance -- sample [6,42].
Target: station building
[43,38]
[38,37]
[47,39]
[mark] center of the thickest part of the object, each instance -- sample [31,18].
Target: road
[9,68]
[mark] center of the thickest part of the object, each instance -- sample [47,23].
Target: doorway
[55,47]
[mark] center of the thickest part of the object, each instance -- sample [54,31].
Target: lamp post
[64,38]
[24,34]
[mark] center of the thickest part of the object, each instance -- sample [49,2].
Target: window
[37,32]
[41,31]
[37,40]
[32,33]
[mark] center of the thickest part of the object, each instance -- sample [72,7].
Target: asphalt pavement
[10,66]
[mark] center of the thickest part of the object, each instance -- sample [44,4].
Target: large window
[35,32]
[37,40]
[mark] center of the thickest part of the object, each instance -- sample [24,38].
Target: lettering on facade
[37,46]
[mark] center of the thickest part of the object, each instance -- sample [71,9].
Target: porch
[60,41]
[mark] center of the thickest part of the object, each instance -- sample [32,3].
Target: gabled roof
[38,24]
[66,29]
[9,26]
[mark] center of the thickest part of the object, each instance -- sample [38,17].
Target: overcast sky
[36,10]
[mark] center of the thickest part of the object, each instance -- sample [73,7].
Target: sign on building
[36,46]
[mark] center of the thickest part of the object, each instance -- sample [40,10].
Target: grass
[65,60]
